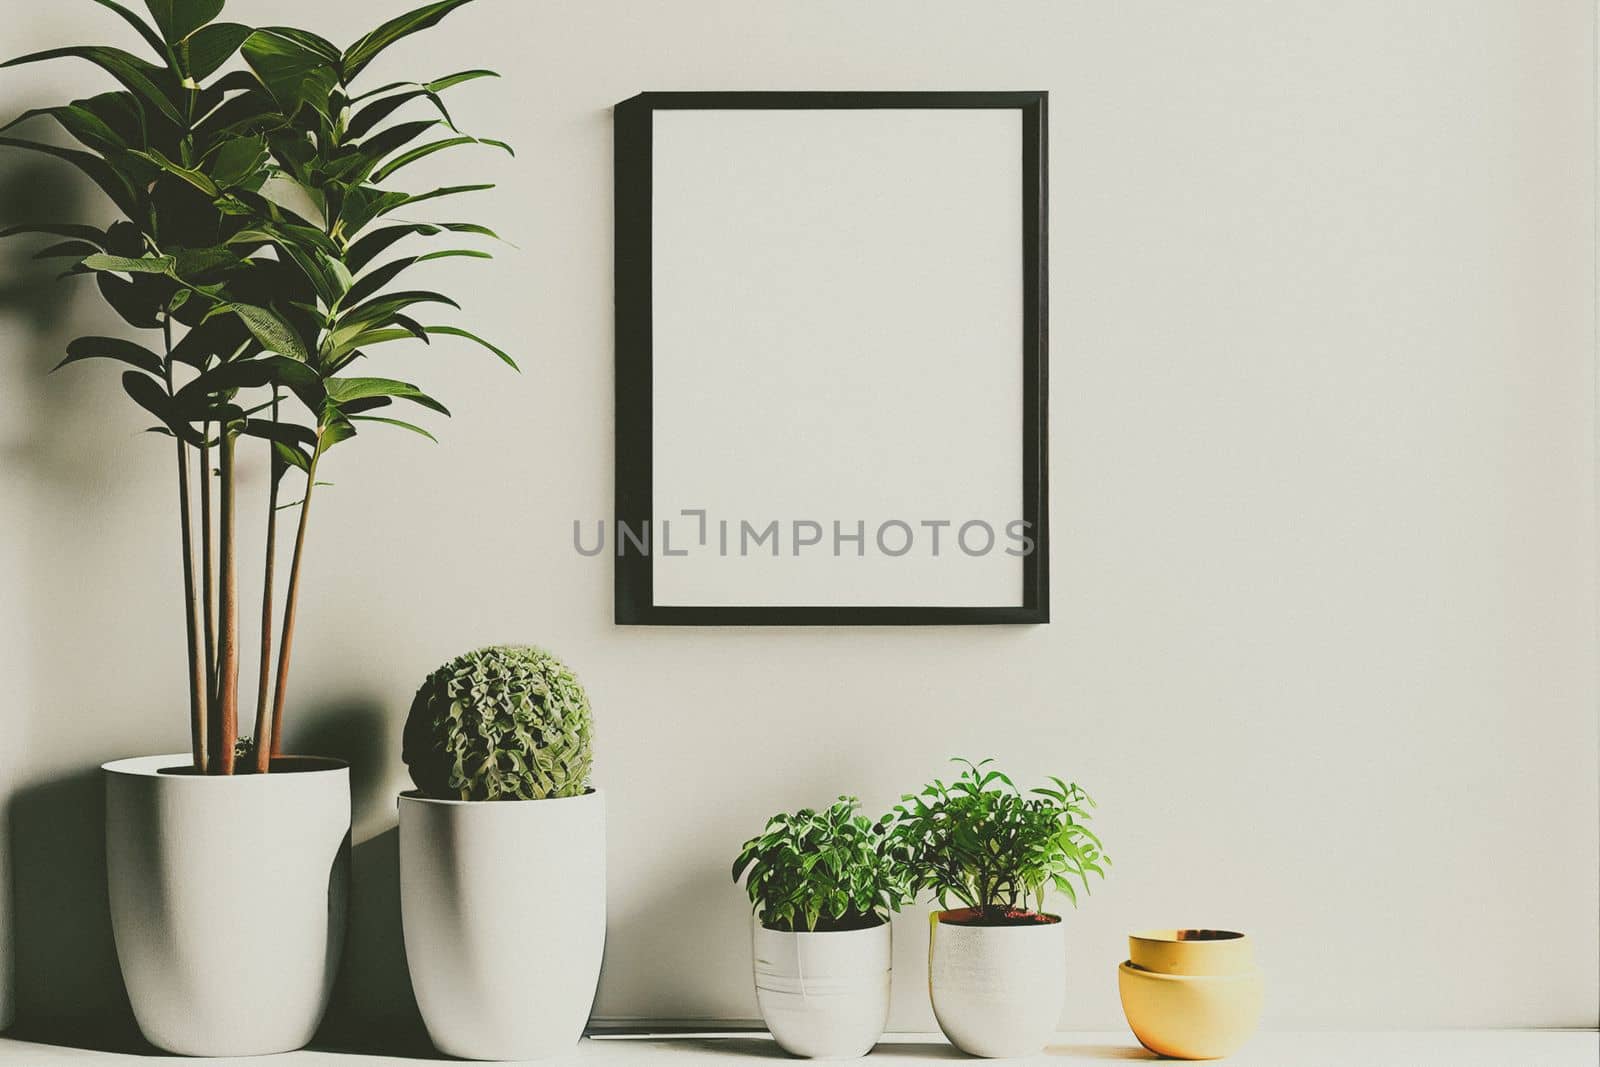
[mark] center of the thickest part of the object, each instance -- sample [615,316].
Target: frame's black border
[635,600]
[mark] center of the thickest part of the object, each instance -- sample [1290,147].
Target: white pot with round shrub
[502,856]
[822,886]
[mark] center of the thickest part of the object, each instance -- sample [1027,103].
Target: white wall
[1322,435]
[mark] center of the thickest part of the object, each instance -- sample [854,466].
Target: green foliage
[506,722]
[827,870]
[249,201]
[982,842]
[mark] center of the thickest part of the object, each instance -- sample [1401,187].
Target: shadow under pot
[823,995]
[228,897]
[997,987]
[502,905]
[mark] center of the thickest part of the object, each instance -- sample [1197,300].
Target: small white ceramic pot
[997,991]
[823,995]
[503,905]
[228,898]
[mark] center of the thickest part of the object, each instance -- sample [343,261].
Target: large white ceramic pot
[823,995]
[228,899]
[503,904]
[997,991]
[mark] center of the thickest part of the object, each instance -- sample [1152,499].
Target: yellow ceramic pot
[1191,952]
[1190,1017]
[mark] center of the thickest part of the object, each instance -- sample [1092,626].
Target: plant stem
[198,695]
[207,590]
[291,600]
[266,736]
[228,610]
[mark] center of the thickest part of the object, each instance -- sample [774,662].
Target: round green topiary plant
[508,722]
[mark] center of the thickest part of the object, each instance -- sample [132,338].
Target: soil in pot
[997,917]
[245,769]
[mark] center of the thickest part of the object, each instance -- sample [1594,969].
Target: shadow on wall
[69,990]
[65,979]
[40,307]
[373,1009]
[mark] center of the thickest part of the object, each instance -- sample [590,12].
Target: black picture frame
[633,161]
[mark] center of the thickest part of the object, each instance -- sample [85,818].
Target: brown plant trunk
[291,601]
[266,736]
[199,699]
[228,613]
[208,595]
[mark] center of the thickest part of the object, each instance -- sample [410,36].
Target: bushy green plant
[982,842]
[252,203]
[508,722]
[821,871]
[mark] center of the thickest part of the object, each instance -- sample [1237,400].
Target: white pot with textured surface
[997,991]
[503,904]
[228,898]
[823,995]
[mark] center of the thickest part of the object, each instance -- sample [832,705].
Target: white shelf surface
[1448,1048]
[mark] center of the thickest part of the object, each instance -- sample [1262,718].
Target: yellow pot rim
[1175,936]
[1132,968]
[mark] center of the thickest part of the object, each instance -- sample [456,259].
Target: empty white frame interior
[838,338]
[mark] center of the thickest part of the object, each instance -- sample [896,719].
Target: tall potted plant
[822,886]
[502,856]
[997,965]
[248,200]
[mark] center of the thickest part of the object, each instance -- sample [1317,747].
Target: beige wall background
[1322,435]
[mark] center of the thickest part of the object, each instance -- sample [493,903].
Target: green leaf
[94,236]
[129,265]
[137,305]
[335,429]
[423,151]
[378,277]
[293,74]
[148,394]
[291,456]
[363,204]
[368,248]
[194,177]
[268,327]
[177,19]
[395,422]
[112,348]
[314,265]
[209,48]
[377,111]
[74,249]
[88,128]
[456,331]
[237,159]
[449,190]
[438,85]
[311,42]
[152,38]
[343,390]
[380,144]
[380,308]
[252,374]
[288,433]
[358,55]
[145,80]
